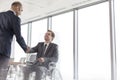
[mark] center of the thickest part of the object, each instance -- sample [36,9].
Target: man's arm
[17,32]
[33,50]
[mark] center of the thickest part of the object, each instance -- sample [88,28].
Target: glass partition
[117,25]
[94,43]
[38,30]
[62,25]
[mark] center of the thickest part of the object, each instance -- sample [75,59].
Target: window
[94,43]
[63,28]
[39,28]
[117,25]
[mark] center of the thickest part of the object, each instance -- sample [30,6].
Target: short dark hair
[16,3]
[52,33]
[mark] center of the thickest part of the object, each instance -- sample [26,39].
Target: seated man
[46,52]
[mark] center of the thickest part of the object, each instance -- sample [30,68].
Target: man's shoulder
[54,44]
[41,43]
[10,14]
[7,12]
[2,13]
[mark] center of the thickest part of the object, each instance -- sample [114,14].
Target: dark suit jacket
[9,25]
[51,54]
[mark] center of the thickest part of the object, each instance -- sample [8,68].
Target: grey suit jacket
[51,54]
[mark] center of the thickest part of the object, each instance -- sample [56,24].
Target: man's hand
[41,59]
[28,50]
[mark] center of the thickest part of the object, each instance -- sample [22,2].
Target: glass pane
[63,28]
[117,25]
[38,30]
[94,43]
[18,50]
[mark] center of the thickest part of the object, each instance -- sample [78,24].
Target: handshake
[28,50]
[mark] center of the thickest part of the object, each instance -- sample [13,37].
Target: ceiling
[37,9]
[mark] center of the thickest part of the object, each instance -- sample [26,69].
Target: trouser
[4,62]
[29,69]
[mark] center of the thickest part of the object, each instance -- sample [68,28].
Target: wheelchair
[52,73]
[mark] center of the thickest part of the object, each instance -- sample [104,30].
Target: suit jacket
[51,54]
[9,26]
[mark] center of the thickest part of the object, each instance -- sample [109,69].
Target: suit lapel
[42,49]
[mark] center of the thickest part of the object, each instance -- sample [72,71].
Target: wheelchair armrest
[52,65]
[29,63]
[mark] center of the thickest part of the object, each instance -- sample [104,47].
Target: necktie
[44,48]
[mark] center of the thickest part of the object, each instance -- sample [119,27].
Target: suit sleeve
[17,32]
[34,49]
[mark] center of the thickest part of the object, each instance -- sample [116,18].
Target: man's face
[48,36]
[18,11]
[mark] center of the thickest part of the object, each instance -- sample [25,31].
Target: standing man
[9,26]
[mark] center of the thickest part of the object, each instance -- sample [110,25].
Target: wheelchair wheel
[56,75]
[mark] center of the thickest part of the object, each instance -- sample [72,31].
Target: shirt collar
[13,12]
[46,43]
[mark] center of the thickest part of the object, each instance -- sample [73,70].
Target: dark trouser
[33,68]
[4,62]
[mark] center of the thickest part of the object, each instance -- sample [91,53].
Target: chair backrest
[22,59]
